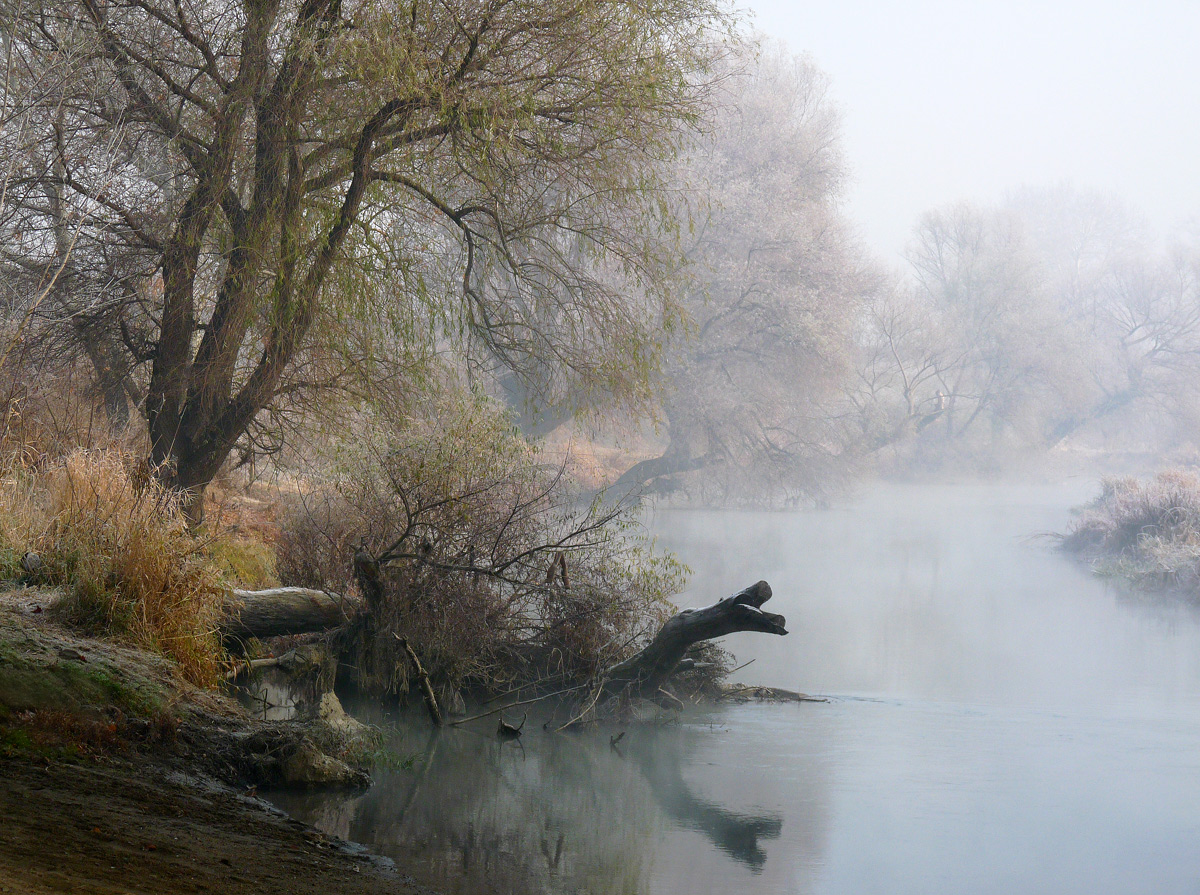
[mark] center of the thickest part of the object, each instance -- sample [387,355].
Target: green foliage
[351,180]
[390,759]
[243,561]
[10,563]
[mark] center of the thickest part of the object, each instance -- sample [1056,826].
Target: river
[998,720]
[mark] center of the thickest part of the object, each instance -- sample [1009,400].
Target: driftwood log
[284,610]
[644,674]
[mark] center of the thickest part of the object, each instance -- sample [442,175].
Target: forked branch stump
[643,674]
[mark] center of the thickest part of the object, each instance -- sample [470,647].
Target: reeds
[117,544]
[1148,531]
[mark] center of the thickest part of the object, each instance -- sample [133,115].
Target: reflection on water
[1000,721]
[551,813]
[734,833]
[268,695]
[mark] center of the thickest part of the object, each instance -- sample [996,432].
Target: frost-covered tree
[777,281]
[241,178]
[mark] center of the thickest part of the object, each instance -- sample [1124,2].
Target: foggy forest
[410,408]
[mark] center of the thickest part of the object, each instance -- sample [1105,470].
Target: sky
[952,100]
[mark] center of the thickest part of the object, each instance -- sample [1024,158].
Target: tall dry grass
[1147,531]
[118,545]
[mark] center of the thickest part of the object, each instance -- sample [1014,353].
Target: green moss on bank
[41,670]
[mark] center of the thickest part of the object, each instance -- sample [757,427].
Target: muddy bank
[120,826]
[65,693]
[116,776]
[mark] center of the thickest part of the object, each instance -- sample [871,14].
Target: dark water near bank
[1000,721]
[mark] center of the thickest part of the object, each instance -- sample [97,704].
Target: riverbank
[1143,530]
[133,826]
[118,776]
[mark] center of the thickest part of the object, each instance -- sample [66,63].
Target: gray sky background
[945,100]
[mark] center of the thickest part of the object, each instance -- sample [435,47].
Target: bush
[491,567]
[1147,531]
[243,560]
[318,531]
[117,543]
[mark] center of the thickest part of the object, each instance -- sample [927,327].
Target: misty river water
[999,721]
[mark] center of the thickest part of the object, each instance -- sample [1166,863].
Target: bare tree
[978,270]
[1133,307]
[904,359]
[1041,319]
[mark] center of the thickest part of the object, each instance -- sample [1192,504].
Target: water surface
[999,721]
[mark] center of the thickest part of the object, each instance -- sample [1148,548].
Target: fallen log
[643,674]
[284,610]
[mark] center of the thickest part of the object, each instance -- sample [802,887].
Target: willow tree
[485,171]
[778,280]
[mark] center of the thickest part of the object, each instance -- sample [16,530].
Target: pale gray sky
[963,99]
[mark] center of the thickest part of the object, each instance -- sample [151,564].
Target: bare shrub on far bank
[118,545]
[489,566]
[1147,531]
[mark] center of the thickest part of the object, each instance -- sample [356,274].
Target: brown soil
[107,770]
[119,827]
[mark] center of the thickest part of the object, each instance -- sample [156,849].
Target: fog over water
[402,281]
[939,591]
[999,720]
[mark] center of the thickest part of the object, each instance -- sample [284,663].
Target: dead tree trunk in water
[431,703]
[646,672]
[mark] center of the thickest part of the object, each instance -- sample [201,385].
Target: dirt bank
[117,776]
[116,826]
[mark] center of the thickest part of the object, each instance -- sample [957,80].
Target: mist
[946,103]
[561,446]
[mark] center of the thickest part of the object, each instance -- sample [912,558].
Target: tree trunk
[644,673]
[284,610]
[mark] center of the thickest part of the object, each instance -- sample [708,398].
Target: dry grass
[117,544]
[1148,531]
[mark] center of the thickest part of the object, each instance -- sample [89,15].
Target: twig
[586,709]
[513,705]
[740,667]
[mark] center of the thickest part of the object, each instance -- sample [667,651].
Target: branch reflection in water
[549,813]
[735,834]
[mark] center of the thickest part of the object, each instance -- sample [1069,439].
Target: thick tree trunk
[644,673]
[284,610]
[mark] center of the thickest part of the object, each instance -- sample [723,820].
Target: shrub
[244,560]
[1143,530]
[318,532]
[117,543]
[473,531]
